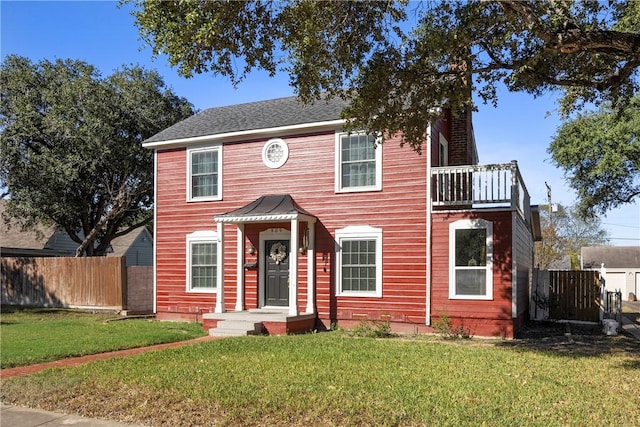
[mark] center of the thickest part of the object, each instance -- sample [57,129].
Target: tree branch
[523,10]
[628,199]
[611,80]
[133,227]
[626,45]
[72,235]
[568,38]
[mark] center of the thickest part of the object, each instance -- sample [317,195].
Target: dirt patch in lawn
[572,339]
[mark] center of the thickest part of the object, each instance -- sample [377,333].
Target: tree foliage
[70,144]
[397,60]
[600,153]
[564,233]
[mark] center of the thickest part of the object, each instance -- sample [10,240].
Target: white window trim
[443,151]
[218,196]
[200,237]
[467,224]
[285,153]
[359,233]
[443,160]
[338,168]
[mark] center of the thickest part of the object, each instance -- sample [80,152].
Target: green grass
[333,379]
[30,336]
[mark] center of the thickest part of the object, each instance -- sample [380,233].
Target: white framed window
[359,261]
[204,174]
[202,262]
[358,163]
[275,153]
[471,259]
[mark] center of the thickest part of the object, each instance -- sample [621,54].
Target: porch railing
[477,186]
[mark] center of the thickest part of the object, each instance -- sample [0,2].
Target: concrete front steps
[236,328]
[269,321]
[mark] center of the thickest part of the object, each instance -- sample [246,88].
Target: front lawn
[334,379]
[36,335]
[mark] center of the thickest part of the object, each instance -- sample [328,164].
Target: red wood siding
[480,317]
[308,176]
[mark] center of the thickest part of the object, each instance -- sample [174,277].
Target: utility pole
[549,204]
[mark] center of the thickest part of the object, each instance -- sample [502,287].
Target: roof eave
[253,133]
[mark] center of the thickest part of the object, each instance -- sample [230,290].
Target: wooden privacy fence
[95,282]
[574,295]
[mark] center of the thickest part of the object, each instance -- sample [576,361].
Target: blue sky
[105,36]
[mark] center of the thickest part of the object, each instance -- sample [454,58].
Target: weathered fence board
[65,282]
[140,289]
[574,295]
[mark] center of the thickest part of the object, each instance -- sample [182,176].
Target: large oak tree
[600,153]
[70,142]
[397,60]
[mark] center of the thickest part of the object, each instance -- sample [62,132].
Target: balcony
[477,187]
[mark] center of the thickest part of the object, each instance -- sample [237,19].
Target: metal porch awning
[268,209]
[271,208]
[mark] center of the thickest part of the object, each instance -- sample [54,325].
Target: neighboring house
[136,246]
[271,205]
[622,267]
[38,242]
[48,241]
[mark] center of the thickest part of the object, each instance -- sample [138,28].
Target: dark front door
[276,263]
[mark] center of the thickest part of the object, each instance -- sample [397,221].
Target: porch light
[305,241]
[251,249]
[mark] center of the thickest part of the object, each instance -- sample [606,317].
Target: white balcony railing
[481,186]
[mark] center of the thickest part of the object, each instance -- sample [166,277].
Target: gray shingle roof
[122,244]
[40,241]
[611,256]
[250,116]
[12,236]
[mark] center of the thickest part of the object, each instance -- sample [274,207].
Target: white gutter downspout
[429,209]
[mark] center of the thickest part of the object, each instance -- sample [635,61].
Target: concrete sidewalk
[630,327]
[15,416]
[629,310]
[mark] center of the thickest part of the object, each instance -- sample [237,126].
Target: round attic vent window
[275,153]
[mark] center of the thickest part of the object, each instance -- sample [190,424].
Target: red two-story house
[270,214]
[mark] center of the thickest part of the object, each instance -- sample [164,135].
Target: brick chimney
[462,146]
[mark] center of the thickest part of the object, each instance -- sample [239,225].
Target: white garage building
[622,264]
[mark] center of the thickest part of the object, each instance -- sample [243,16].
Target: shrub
[445,328]
[373,329]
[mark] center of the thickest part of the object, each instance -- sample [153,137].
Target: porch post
[240,268]
[311,266]
[293,269]
[220,270]
[515,191]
